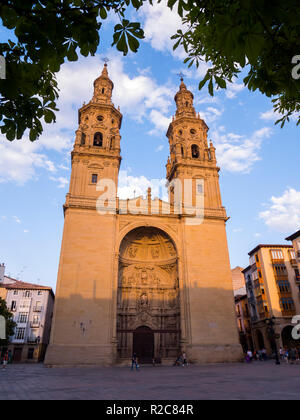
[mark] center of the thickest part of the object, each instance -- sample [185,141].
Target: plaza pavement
[259,380]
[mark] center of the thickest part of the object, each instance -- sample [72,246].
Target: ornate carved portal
[148,296]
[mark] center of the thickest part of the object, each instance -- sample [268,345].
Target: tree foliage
[10,324]
[48,33]
[260,36]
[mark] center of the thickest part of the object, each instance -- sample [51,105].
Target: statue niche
[148,292]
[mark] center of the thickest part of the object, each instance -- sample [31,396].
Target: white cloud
[283,214]
[133,186]
[159,148]
[62,182]
[273,116]
[160,23]
[233,89]
[238,153]
[19,161]
[17,220]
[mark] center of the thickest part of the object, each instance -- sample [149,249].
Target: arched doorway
[260,340]
[148,296]
[143,344]
[287,338]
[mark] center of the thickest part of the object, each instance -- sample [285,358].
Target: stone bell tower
[191,157]
[96,153]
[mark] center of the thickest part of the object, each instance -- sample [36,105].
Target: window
[280,270]
[20,334]
[100,118]
[252,260]
[256,258]
[277,254]
[193,131]
[40,292]
[30,354]
[182,151]
[292,254]
[15,292]
[195,151]
[284,286]
[287,304]
[22,318]
[200,189]
[36,320]
[13,305]
[103,90]
[98,140]
[83,138]
[25,304]
[94,179]
[26,294]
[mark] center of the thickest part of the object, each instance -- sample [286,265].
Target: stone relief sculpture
[148,292]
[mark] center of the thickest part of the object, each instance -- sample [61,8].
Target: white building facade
[32,307]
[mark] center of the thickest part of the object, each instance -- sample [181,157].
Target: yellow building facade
[273,289]
[143,275]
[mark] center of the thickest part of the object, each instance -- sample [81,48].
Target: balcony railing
[37,309]
[32,340]
[297,279]
[34,324]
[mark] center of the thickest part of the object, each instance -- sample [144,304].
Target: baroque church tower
[149,281]
[96,153]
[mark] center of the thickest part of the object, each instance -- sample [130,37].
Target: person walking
[292,356]
[184,360]
[134,362]
[287,356]
[5,360]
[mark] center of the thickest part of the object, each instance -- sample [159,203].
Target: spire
[184,100]
[103,87]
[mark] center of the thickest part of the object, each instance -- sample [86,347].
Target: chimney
[2,272]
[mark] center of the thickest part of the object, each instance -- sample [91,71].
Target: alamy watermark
[296,329]
[186,198]
[296,69]
[2,328]
[2,68]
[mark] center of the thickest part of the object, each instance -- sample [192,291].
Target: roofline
[246,269]
[268,246]
[294,236]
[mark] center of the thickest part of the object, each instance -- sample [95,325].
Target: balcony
[37,309]
[297,279]
[35,324]
[33,340]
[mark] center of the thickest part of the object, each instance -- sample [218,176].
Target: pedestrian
[281,354]
[287,356]
[5,360]
[184,360]
[292,356]
[264,354]
[250,355]
[134,362]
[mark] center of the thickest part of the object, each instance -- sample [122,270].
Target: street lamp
[270,322]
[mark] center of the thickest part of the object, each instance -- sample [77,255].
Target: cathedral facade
[143,275]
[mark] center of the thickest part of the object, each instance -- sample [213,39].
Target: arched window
[83,137]
[98,140]
[182,151]
[195,151]
[103,90]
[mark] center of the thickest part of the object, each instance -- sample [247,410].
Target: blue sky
[259,161]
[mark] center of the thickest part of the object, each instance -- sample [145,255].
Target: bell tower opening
[148,298]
